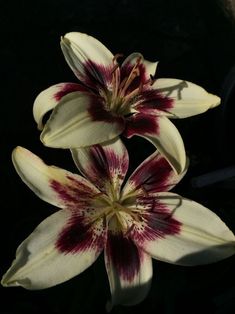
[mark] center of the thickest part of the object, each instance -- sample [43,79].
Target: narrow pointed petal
[129,268]
[188,99]
[79,120]
[49,98]
[88,58]
[180,231]
[162,133]
[60,248]
[154,174]
[147,68]
[104,165]
[54,185]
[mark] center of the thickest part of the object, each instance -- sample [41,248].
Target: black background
[194,40]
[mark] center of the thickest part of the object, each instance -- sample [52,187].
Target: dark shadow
[213,253]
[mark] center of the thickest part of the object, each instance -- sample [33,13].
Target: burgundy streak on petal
[159,221]
[73,193]
[104,162]
[153,175]
[153,100]
[99,166]
[124,255]
[68,88]
[97,75]
[79,237]
[117,165]
[141,124]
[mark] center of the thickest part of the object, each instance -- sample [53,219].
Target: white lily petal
[88,58]
[129,268]
[188,99]
[54,185]
[151,67]
[181,231]
[80,120]
[162,133]
[49,98]
[42,262]
[104,165]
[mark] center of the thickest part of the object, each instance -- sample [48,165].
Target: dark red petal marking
[68,88]
[97,75]
[78,237]
[104,163]
[153,175]
[74,193]
[160,221]
[153,100]
[98,112]
[99,165]
[123,255]
[141,124]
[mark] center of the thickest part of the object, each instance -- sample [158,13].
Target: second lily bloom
[131,223]
[113,99]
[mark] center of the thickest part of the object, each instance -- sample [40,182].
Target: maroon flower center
[128,81]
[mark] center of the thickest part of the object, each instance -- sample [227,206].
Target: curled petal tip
[18,150]
[216,102]
[42,139]
[64,40]
[3,282]
[40,127]
[7,281]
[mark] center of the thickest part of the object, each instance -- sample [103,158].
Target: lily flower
[132,224]
[113,99]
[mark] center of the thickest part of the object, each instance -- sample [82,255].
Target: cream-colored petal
[88,58]
[129,268]
[181,231]
[162,133]
[104,165]
[50,97]
[80,120]
[154,174]
[188,99]
[46,259]
[54,185]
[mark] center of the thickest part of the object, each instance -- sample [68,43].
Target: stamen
[134,73]
[104,212]
[134,215]
[119,98]
[112,191]
[121,208]
[115,78]
[129,96]
[114,68]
